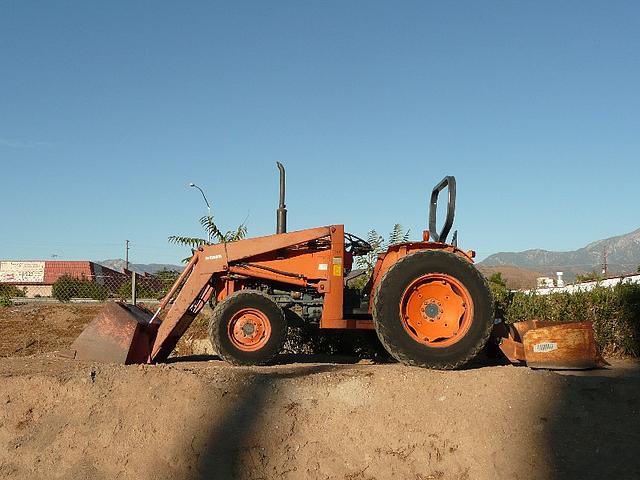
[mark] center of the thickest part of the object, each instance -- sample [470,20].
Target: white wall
[586,286]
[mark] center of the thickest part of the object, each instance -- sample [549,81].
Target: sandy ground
[198,418]
[34,328]
[38,328]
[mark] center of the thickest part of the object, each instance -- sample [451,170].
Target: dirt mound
[30,328]
[197,420]
[205,419]
[34,328]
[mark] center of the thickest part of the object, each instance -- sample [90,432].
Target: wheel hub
[249,329]
[431,309]
[436,310]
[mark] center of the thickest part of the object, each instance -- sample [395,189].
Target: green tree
[398,235]
[213,232]
[67,287]
[167,278]
[143,290]
[379,245]
[150,288]
[502,296]
[497,279]
[368,261]
[9,291]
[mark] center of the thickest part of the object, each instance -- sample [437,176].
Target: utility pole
[126,255]
[604,262]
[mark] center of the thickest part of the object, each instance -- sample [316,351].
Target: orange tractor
[426,301]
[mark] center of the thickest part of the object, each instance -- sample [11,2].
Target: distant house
[36,277]
[585,286]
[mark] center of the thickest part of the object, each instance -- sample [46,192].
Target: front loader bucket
[120,333]
[554,346]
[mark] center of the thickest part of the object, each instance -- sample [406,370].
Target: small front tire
[247,328]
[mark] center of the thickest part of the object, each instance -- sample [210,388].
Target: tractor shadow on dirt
[232,448]
[585,440]
[330,359]
[193,358]
[291,359]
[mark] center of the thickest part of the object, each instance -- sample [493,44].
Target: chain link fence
[129,287]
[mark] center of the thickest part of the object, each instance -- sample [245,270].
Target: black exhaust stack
[281,222]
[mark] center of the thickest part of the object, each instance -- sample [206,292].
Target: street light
[208,207]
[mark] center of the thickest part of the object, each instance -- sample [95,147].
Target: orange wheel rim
[436,310]
[249,329]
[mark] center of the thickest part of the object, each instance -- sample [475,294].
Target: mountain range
[118,265]
[622,255]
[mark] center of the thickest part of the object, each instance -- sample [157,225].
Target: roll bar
[448,182]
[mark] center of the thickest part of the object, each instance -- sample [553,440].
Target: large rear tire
[247,328]
[433,309]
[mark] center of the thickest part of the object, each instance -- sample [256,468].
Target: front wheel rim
[249,329]
[436,310]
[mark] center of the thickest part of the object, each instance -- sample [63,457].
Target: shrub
[142,290]
[167,278]
[5,302]
[9,291]
[157,287]
[502,297]
[68,287]
[615,313]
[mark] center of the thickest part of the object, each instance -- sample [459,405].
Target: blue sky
[109,109]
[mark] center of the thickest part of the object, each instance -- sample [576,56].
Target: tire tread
[219,311]
[402,356]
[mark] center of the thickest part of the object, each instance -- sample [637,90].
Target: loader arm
[193,289]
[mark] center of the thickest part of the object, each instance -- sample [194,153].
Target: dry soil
[198,418]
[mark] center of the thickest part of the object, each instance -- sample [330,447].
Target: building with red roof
[36,277]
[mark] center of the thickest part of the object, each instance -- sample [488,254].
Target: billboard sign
[21,272]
